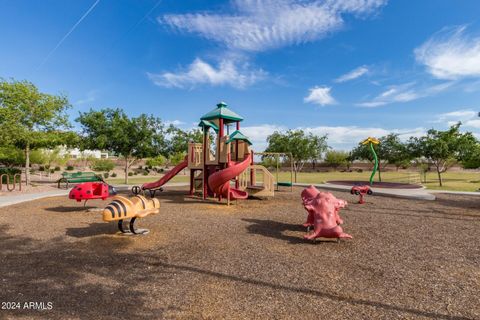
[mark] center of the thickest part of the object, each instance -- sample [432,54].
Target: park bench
[78,177]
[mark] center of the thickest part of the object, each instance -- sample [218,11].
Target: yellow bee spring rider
[122,208]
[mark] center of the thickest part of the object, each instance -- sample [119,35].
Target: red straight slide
[220,180]
[169,175]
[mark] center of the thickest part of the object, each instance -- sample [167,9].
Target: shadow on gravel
[472,202]
[275,229]
[317,293]
[83,279]
[421,214]
[93,229]
[78,209]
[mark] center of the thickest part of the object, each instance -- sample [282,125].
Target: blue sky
[347,68]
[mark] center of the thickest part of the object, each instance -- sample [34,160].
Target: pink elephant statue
[310,193]
[324,208]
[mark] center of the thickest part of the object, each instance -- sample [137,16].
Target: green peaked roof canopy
[237,135]
[222,112]
[206,123]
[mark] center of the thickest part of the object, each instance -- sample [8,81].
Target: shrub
[140,167]
[130,174]
[156,162]
[145,173]
[52,170]
[41,168]
[106,175]
[114,175]
[336,159]
[69,168]
[57,168]
[360,170]
[103,165]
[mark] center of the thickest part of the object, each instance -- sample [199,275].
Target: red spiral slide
[169,175]
[220,180]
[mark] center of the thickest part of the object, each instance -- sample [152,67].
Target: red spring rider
[323,208]
[361,191]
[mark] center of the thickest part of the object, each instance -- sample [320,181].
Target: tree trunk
[126,170]
[27,164]
[295,169]
[379,174]
[439,178]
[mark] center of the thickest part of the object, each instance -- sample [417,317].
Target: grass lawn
[456,181]
[142,179]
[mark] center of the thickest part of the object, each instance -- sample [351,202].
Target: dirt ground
[408,260]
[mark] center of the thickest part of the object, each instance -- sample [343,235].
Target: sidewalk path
[419,194]
[9,200]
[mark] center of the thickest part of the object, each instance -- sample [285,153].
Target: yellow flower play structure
[371,141]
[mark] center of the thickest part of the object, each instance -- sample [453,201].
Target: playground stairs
[257,181]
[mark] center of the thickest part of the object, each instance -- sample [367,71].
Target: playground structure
[222,158]
[122,208]
[323,214]
[361,191]
[17,181]
[277,156]
[91,190]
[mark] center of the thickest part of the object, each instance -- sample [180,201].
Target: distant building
[77,153]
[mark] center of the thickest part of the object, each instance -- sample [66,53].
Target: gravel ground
[408,260]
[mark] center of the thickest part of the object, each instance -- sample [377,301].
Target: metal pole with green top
[371,141]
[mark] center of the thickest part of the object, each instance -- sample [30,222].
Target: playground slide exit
[169,175]
[220,180]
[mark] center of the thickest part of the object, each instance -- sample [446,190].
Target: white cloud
[451,54]
[259,25]
[405,92]
[174,122]
[90,97]
[200,72]
[474,123]
[354,74]
[339,137]
[320,95]
[468,118]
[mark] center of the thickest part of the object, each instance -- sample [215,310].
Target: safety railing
[195,156]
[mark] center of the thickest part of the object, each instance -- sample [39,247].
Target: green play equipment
[371,141]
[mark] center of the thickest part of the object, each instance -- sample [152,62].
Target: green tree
[393,151]
[442,148]
[156,161]
[176,158]
[472,159]
[10,156]
[336,159]
[103,165]
[30,119]
[131,138]
[179,139]
[302,146]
